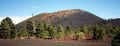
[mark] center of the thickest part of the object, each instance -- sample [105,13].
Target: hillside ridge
[74,18]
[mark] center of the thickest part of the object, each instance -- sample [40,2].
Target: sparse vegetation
[79,34]
[23,33]
[99,32]
[50,30]
[84,29]
[41,30]
[60,32]
[116,37]
[68,32]
[29,28]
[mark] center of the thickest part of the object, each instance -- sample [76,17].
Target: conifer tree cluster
[42,30]
[7,29]
[47,31]
[98,33]
[116,36]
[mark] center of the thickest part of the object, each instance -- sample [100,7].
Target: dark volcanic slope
[73,18]
[115,22]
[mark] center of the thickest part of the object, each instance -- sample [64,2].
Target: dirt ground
[42,42]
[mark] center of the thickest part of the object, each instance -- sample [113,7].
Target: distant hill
[74,18]
[115,22]
[110,22]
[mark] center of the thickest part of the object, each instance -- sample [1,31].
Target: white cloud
[1,18]
[34,7]
[16,20]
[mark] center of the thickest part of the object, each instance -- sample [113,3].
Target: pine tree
[23,33]
[98,33]
[46,28]
[0,31]
[68,32]
[13,31]
[102,33]
[42,30]
[52,32]
[116,37]
[78,34]
[7,29]
[84,29]
[29,28]
[39,30]
[60,32]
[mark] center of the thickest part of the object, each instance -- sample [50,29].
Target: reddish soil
[67,41]
[41,42]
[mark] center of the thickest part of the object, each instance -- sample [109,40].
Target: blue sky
[20,10]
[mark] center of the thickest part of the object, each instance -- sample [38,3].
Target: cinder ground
[41,42]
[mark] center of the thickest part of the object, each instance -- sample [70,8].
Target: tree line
[42,30]
[47,31]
